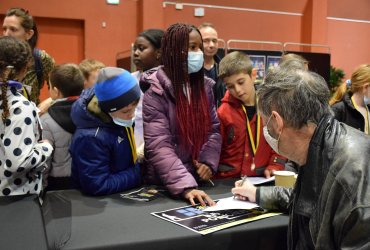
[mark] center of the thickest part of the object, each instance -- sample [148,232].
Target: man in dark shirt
[211,60]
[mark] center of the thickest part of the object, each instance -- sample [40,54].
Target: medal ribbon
[252,143]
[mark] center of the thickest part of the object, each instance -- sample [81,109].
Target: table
[111,222]
[21,223]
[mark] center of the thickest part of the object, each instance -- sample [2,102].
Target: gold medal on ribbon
[253,166]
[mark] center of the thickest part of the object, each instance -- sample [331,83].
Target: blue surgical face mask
[195,61]
[123,122]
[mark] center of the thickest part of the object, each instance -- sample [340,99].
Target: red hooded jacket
[236,154]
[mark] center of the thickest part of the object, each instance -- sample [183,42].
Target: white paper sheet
[260,180]
[231,203]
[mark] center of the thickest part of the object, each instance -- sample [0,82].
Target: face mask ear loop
[278,139]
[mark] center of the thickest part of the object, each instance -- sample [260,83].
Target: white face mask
[123,122]
[274,143]
[195,61]
[366,100]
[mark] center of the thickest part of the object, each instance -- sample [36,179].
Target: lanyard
[253,145]
[367,115]
[131,138]
[26,94]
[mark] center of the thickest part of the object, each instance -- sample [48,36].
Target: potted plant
[336,78]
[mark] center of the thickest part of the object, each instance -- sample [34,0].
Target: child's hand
[203,170]
[45,141]
[44,106]
[200,195]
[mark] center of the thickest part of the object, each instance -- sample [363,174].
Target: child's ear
[158,54]
[55,91]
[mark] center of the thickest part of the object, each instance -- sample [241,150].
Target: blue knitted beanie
[115,88]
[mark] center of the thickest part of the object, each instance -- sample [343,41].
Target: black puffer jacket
[345,112]
[331,199]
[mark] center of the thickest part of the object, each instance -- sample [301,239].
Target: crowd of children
[106,130]
[183,118]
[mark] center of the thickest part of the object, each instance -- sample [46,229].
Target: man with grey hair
[329,206]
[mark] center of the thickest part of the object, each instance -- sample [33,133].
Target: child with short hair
[103,149]
[66,85]
[90,70]
[245,151]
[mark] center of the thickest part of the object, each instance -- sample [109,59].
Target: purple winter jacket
[164,163]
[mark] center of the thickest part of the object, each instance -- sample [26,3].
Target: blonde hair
[360,77]
[89,65]
[293,61]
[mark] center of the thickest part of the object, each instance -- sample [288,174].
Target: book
[144,194]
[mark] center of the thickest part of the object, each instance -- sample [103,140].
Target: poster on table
[259,63]
[199,221]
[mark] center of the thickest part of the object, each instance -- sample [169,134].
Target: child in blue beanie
[103,147]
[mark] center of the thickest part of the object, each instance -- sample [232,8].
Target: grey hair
[299,96]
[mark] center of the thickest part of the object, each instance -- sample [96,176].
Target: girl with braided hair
[181,128]
[22,155]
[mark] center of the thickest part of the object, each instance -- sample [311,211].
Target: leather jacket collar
[313,177]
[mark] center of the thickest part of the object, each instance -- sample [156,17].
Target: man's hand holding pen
[244,190]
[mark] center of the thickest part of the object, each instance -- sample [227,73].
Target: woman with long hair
[20,24]
[350,102]
[181,128]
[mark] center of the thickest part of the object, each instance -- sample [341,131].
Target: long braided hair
[192,115]
[14,58]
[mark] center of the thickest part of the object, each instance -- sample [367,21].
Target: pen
[210,181]
[244,178]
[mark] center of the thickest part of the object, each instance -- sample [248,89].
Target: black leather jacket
[332,191]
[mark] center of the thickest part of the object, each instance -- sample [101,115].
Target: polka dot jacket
[22,157]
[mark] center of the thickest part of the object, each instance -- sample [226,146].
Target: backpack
[38,65]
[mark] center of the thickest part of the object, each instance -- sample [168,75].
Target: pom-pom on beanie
[115,88]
